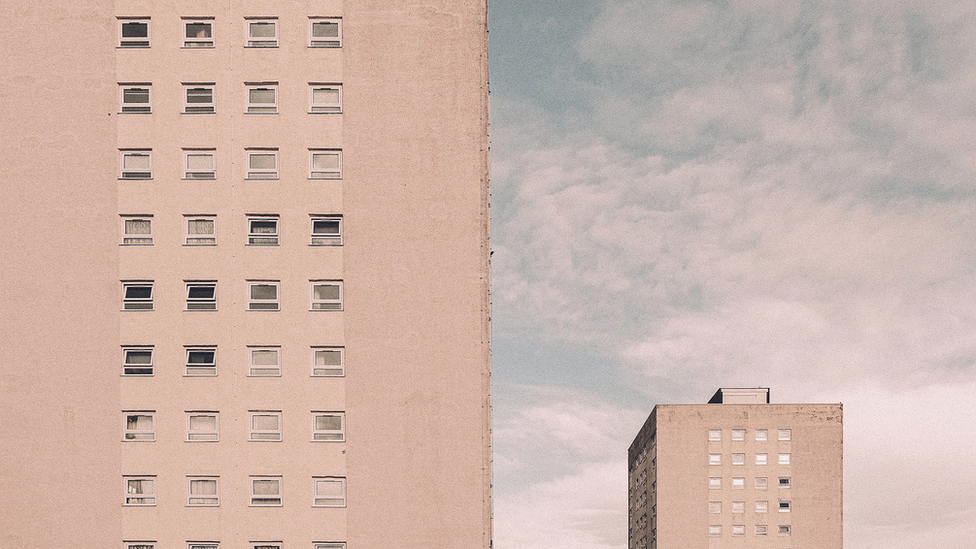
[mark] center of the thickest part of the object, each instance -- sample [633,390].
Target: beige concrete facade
[410,198]
[720,476]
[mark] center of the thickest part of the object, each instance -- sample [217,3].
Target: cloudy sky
[690,194]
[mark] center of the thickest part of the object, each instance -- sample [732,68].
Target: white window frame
[324,108]
[280,494]
[328,500]
[783,530]
[202,544]
[198,42]
[200,369]
[199,108]
[255,304]
[784,434]
[761,530]
[738,459]
[210,173]
[762,459]
[322,42]
[135,108]
[263,239]
[761,483]
[320,370]
[318,305]
[150,496]
[261,173]
[785,506]
[738,483]
[265,545]
[263,435]
[762,506]
[738,435]
[195,304]
[203,500]
[202,435]
[328,545]
[325,239]
[129,367]
[136,239]
[714,459]
[715,530]
[738,530]
[714,508]
[329,174]
[138,544]
[137,304]
[135,41]
[138,174]
[714,483]
[329,435]
[784,485]
[738,507]
[263,370]
[762,435]
[199,239]
[714,435]
[260,42]
[139,435]
[260,108]
[783,459]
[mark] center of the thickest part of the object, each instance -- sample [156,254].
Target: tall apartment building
[245,283]
[738,472]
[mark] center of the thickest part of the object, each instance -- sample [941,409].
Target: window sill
[201,441]
[261,245]
[199,245]
[262,113]
[197,47]
[333,112]
[211,112]
[324,47]
[135,179]
[136,310]
[125,244]
[246,47]
[145,112]
[325,310]
[263,310]
[327,441]
[326,377]
[199,178]
[128,441]
[325,178]
[135,375]
[260,179]
[325,245]
[132,47]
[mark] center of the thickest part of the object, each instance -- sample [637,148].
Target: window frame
[197,304]
[139,544]
[784,506]
[738,508]
[784,485]
[784,435]
[126,365]
[251,107]
[199,435]
[714,483]
[197,175]
[138,304]
[202,544]
[325,367]
[738,458]
[264,174]
[324,108]
[714,435]
[714,508]
[263,239]
[762,506]
[136,42]
[316,498]
[714,459]
[760,483]
[324,42]
[762,460]
[326,175]
[206,369]
[323,435]
[254,42]
[738,483]
[191,239]
[762,435]
[133,435]
[328,545]
[135,108]
[714,530]
[263,370]
[199,108]
[208,42]
[324,305]
[253,496]
[783,530]
[325,239]
[253,304]
[738,435]
[148,496]
[134,238]
[762,530]
[263,435]
[784,459]
[135,174]
[214,500]
[265,545]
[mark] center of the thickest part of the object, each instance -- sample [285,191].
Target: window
[761,435]
[263,295]
[784,459]
[325,164]
[140,490]
[715,530]
[738,434]
[202,426]
[137,361]
[265,545]
[262,33]
[326,295]
[738,507]
[326,230]
[738,459]
[202,545]
[265,491]
[201,295]
[198,98]
[199,164]
[262,231]
[265,426]
[785,434]
[784,482]
[715,483]
[135,98]
[202,492]
[714,459]
[715,507]
[762,506]
[263,362]
[738,482]
[325,33]
[138,545]
[137,295]
[262,163]
[784,506]
[329,492]
[262,98]
[325,98]
[139,426]
[714,435]
[328,427]
[134,32]
[761,483]
[198,33]
[761,529]
[783,530]
[201,361]
[136,163]
[761,459]
[137,230]
[738,530]
[201,230]
[327,362]
[329,545]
